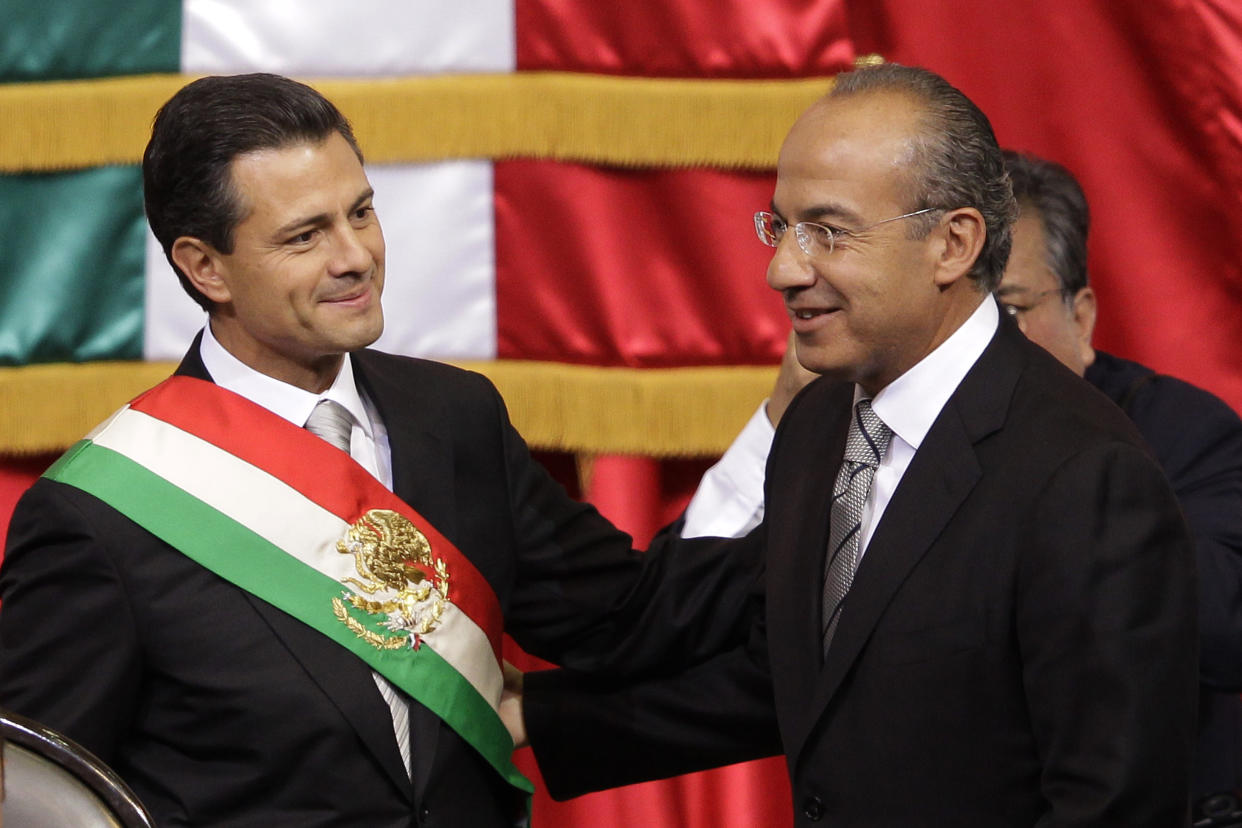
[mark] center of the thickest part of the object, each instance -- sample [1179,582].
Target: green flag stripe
[244,558]
[74,263]
[44,40]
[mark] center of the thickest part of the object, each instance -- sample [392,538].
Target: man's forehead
[848,155]
[300,179]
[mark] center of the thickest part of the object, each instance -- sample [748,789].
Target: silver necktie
[865,444]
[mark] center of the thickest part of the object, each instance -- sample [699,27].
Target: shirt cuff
[729,500]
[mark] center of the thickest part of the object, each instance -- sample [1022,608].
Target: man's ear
[962,232]
[1084,309]
[201,264]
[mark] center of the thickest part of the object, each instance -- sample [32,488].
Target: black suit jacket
[219,709]
[1197,439]
[1018,647]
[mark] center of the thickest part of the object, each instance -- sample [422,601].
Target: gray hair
[1053,194]
[957,160]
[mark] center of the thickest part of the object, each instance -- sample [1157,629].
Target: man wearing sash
[271,590]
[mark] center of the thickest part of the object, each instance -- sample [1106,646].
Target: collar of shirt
[282,399]
[912,402]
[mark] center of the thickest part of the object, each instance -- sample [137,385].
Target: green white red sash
[284,515]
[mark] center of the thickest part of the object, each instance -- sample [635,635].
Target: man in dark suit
[1013,641]
[1194,435]
[203,593]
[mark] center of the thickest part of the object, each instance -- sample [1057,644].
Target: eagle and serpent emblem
[398,580]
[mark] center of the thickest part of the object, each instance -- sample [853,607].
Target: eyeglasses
[1032,302]
[815,239]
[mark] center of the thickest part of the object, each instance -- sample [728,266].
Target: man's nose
[790,267]
[350,254]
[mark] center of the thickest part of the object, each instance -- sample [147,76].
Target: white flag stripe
[440,283]
[170,317]
[285,518]
[440,267]
[321,38]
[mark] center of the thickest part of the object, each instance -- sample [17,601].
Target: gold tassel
[626,121]
[46,408]
[658,412]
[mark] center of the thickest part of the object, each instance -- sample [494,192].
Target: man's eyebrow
[1012,290]
[363,198]
[823,212]
[323,218]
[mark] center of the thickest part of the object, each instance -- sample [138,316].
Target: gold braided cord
[626,121]
[666,412]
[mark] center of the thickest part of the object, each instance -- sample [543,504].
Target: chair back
[50,780]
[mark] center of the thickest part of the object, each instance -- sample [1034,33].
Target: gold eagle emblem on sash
[398,580]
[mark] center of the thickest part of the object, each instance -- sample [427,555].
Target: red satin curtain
[16,475]
[644,268]
[684,38]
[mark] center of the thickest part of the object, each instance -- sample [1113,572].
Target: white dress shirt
[729,500]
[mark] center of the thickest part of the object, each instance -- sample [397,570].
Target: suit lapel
[943,472]
[344,678]
[939,479]
[422,453]
[797,527]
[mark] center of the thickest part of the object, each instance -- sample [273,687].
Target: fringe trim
[624,121]
[664,412]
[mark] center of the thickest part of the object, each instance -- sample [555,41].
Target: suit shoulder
[1168,404]
[52,511]
[443,377]
[1185,425]
[1143,393]
[1073,406]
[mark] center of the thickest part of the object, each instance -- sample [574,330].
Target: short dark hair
[186,168]
[957,161]
[1055,197]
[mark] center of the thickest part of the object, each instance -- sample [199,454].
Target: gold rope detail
[627,121]
[668,412]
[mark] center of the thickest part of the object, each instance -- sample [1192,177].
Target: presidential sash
[289,518]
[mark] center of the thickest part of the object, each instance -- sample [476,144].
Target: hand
[511,705]
[791,379]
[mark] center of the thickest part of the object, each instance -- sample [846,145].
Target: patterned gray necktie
[333,422]
[865,445]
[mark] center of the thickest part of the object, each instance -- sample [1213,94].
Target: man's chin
[361,334]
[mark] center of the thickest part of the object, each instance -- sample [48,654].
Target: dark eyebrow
[323,218]
[1010,290]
